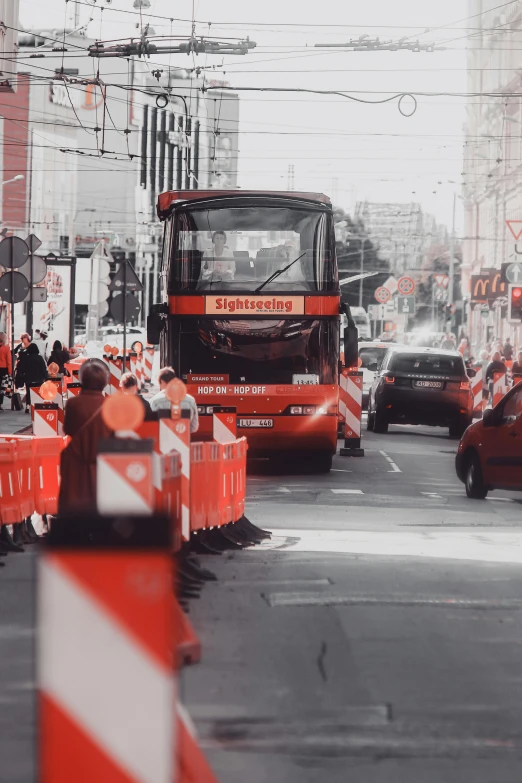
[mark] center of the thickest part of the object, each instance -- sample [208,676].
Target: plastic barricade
[214,478]
[198,486]
[10,496]
[168,497]
[46,479]
[240,478]
[25,471]
[499,387]
[227,497]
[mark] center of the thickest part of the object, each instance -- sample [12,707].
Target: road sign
[377,312]
[513,273]
[14,252]
[132,307]
[441,280]
[14,287]
[382,294]
[406,286]
[34,269]
[406,305]
[132,282]
[515,226]
[391,284]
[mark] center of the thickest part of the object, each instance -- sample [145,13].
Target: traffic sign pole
[124,314]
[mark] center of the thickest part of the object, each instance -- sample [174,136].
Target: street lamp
[16,178]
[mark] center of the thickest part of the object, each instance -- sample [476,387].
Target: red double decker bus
[250,315]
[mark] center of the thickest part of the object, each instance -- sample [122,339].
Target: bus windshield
[239,248]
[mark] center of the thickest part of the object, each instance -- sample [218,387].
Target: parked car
[490,451]
[421,386]
[371,355]
[113,335]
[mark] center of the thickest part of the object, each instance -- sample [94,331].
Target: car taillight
[389,379]
[465,385]
[296,410]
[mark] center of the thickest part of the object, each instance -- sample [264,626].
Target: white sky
[348,150]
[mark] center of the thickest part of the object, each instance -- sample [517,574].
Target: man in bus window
[217,263]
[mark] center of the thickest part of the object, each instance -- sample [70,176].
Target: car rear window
[427,364]
[370,354]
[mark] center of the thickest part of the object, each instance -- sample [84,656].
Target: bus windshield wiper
[277,273]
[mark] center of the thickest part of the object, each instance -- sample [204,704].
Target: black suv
[421,386]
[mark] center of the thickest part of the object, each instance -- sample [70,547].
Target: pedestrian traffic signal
[515,304]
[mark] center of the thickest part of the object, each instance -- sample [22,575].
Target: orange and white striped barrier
[107,685]
[125,478]
[148,359]
[115,364]
[476,390]
[499,387]
[46,421]
[224,421]
[73,389]
[39,397]
[174,435]
[350,406]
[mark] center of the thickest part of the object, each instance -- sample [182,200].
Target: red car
[490,451]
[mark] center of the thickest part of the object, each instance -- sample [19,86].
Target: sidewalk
[13,421]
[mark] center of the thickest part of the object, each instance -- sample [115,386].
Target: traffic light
[515,304]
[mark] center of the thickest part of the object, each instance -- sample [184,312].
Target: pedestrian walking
[31,370]
[496,365]
[159,401]
[129,385]
[517,365]
[508,350]
[448,343]
[59,356]
[6,365]
[40,339]
[464,349]
[84,423]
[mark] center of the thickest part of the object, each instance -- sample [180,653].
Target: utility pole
[452,257]
[362,241]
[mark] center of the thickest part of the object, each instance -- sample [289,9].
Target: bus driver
[216,266]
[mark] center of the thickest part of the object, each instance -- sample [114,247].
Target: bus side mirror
[351,346]
[155,325]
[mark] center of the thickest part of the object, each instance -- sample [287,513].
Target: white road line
[282,489]
[501,500]
[347,491]
[340,470]
[431,494]
[395,468]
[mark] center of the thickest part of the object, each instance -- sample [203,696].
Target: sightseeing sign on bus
[250,315]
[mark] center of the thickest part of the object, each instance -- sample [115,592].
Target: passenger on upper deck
[216,265]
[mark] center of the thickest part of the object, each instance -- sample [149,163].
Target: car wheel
[380,422]
[475,487]
[370,421]
[458,428]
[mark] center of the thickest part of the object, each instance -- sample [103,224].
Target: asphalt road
[377,637]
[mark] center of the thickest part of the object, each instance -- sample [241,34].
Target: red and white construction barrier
[107,687]
[476,390]
[174,435]
[125,478]
[46,422]
[148,359]
[37,399]
[73,390]
[224,422]
[350,406]
[115,365]
[500,387]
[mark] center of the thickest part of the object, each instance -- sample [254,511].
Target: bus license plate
[264,423]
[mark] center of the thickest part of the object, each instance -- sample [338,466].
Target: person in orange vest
[6,365]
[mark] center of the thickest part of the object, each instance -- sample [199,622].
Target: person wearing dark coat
[84,423]
[59,356]
[129,385]
[31,370]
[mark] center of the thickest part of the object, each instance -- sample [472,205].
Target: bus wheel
[321,462]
